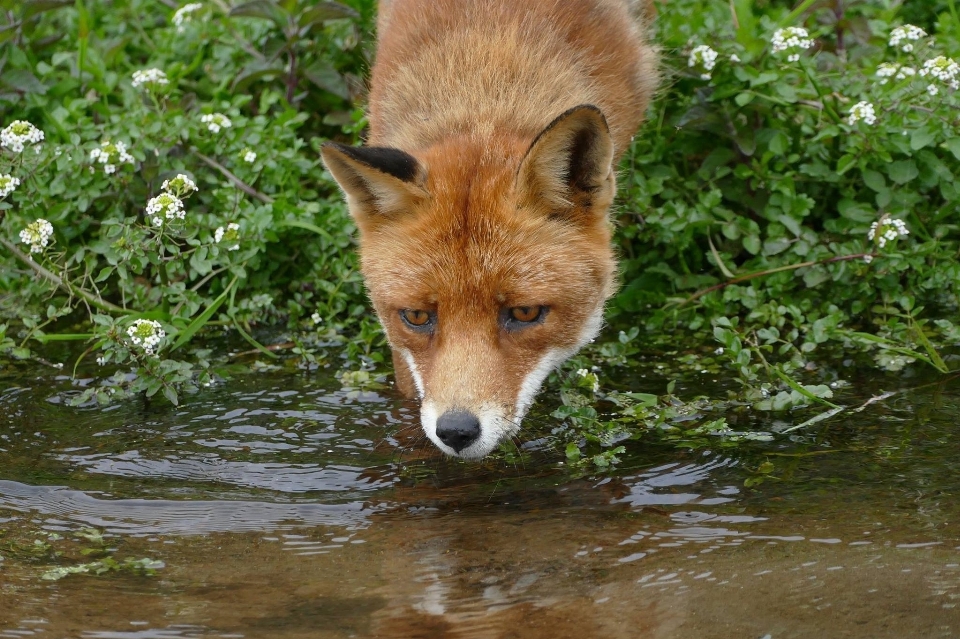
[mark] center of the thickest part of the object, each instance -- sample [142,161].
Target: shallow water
[282,506]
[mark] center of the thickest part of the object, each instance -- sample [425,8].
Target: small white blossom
[184,14]
[862,111]
[944,69]
[101,360]
[18,134]
[230,234]
[216,121]
[887,229]
[704,57]
[719,351]
[867,258]
[8,184]
[147,334]
[37,235]
[249,156]
[149,77]
[792,40]
[907,32]
[317,320]
[734,57]
[111,154]
[180,185]
[889,70]
[932,89]
[582,372]
[165,205]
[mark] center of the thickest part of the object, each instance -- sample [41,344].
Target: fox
[482,195]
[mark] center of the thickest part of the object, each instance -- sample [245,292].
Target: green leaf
[874,180]
[201,320]
[921,138]
[953,145]
[324,11]
[845,163]
[903,171]
[307,226]
[264,9]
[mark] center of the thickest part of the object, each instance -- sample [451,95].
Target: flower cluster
[705,57]
[909,33]
[185,14]
[8,184]
[889,70]
[147,334]
[793,40]
[149,77]
[180,186]
[249,156]
[862,111]
[18,134]
[216,121]
[111,154]
[37,235]
[589,379]
[168,206]
[230,234]
[944,69]
[887,229]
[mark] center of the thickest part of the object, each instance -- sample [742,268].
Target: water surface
[284,507]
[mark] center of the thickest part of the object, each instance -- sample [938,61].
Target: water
[284,507]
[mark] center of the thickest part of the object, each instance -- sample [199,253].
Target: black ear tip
[394,162]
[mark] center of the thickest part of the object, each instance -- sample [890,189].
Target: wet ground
[283,507]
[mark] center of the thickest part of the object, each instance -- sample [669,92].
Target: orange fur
[510,117]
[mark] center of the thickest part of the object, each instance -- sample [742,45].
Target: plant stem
[240,184]
[63,284]
[779,269]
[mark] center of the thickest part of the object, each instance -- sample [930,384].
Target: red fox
[481,200]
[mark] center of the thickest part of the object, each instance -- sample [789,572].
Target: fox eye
[417,320]
[524,316]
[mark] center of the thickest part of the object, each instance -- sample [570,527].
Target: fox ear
[569,166]
[378,181]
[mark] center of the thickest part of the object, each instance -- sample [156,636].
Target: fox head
[488,265]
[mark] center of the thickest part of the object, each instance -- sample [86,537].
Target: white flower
[18,134]
[230,234]
[216,121]
[944,69]
[792,40]
[316,319]
[37,235]
[862,111]
[932,89]
[165,205]
[149,77]
[719,351]
[582,372]
[867,258]
[887,229]
[888,70]
[734,57]
[111,154]
[180,186]
[906,32]
[147,334]
[249,156]
[704,57]
[101,360]
[183,15]
[8,184]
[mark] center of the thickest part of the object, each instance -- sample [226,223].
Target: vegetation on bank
[791,202]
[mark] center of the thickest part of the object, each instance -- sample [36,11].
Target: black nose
[458,429]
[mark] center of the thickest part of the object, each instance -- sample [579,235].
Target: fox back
[482,198]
